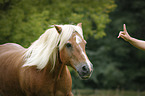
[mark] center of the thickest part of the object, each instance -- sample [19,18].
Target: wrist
[130,39]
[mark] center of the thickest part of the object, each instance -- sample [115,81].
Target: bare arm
[140,44]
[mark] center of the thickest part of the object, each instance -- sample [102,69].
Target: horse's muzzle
[85,70]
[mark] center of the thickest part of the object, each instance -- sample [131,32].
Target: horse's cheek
[63,56]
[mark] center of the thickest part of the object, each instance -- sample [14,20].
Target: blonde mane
[45,49]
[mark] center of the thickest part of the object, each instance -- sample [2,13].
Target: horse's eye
[68,45]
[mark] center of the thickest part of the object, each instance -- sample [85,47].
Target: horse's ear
[79,24]
[59,29]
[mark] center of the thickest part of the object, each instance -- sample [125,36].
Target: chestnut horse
[41,69]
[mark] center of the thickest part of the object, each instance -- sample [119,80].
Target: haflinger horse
[41,69]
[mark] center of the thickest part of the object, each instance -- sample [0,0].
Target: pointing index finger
[124,27]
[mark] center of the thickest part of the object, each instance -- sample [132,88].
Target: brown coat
[28,81]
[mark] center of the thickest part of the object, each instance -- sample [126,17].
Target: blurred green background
[117,64]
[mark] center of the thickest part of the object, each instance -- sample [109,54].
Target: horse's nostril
[84,68]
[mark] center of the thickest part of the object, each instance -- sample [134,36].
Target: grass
[88,92]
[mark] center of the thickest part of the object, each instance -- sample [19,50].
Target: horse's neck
[58,70]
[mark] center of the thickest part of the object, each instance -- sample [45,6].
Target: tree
[23,21]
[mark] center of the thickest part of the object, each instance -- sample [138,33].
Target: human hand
[124,34]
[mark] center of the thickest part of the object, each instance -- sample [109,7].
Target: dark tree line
[117,64]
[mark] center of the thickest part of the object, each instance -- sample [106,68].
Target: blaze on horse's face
[74,55]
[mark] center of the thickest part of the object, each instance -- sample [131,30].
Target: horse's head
[73,54]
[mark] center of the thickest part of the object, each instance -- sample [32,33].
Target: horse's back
[11,58]
[10,47]
[10,51]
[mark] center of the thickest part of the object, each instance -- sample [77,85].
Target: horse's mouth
[85,77]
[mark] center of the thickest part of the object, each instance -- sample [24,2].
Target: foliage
[23,21]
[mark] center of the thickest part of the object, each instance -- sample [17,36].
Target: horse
[41,69]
